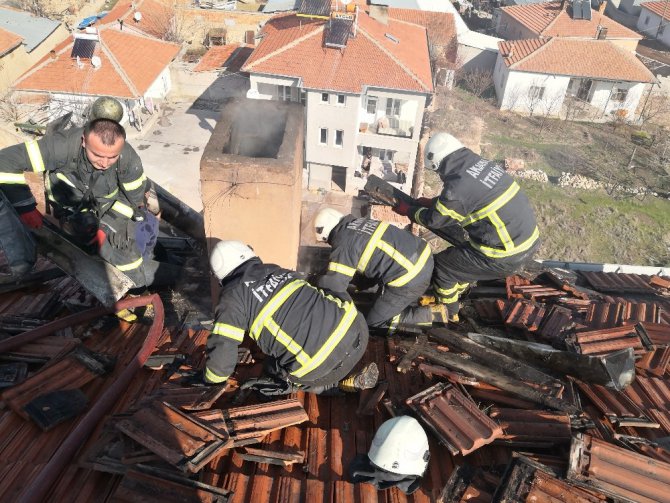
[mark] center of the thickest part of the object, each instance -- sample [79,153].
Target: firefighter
[480,198]
[400,263]
[312,339]
[95,184]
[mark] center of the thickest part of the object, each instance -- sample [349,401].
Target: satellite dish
[137,17]
[96,62]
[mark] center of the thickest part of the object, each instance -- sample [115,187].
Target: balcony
[388,126]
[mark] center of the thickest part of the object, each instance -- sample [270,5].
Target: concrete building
[559,77]
[654,19]
[363,84]
[559,19]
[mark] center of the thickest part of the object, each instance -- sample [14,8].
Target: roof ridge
[553,21]
[119,69]
[531,53]
[393,57]
[285,47]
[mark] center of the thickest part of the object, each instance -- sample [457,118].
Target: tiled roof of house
[8,41]
[440,25]
[551,20]
[294,47]
[156,16]
[215,57]
[660,8]
[32,29]
[130,63]
[597,59]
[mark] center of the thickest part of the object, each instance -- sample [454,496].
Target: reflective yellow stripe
[395,254]
[272,306]
[132,265]
[225,330]
[494,206]
[332,342]
[112,194]
[135,184]
[212,377]
[393,324]
[35,156]
[341,268]
[65,180]
[287,341]
[417,216]
[496,253]
[447,212]
[413,270]
[14,178]
[370,248]
[124,209]
[449,295]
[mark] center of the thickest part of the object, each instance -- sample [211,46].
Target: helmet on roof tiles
[227,256]
[400,445]
[438,147]
[106,107]
[325,221]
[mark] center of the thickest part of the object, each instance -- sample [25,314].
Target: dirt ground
[575,225]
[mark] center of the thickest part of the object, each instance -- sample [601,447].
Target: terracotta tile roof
[440,25]
[660,8]
[550,20]
[215,57]
[130,64]
[156,16]
[370,58]
[8,41]
[598,59]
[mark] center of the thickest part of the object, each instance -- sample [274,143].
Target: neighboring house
[562,19]
[364,85]
[654,20]
[581,79]
[24,40]
[133,68]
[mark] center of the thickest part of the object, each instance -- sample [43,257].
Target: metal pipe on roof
[41,484]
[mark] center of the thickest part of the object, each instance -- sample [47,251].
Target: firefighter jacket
[374,249]
[72,183]
[306,330]
[479,196]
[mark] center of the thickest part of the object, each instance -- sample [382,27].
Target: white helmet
[226,256]
[438,147]
[325,221]
[400,446]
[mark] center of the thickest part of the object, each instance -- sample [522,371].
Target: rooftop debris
[556,387]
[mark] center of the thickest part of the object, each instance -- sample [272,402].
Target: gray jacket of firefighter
[376,250]
[308,332]
[479,196]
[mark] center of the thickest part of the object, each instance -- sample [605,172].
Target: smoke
[257,129]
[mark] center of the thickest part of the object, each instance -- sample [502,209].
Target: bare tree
[547,111]
[656,107]
[477,81]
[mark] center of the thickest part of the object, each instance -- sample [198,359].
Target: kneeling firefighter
[313,340]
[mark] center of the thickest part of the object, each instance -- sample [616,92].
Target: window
[536,92]
[324,97]
[646,21]
[372,105]
[341,99]
[660,30]
[392,107]
[339,137]
[283,93]
[323,136]
[619,94]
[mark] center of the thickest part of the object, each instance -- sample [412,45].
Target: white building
[654,19]
[552,76]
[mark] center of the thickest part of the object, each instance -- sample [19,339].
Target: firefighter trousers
[458,266]
[15,241]
[331,371]
[393,305]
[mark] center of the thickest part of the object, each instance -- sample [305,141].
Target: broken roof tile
[532,427]
[524,314]
[613,282]
[454,418]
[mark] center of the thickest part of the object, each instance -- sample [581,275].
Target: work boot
[126,315]
[427,300]
[440,314]
[363,379]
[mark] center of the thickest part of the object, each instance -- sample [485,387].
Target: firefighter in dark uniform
[400,263]
[312,339]
[95,184]
[479,197]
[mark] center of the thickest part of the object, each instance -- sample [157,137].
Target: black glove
[123,234]
[268,386]
[193,379]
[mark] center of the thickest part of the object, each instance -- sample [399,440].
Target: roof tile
[8,41]
[660,8]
